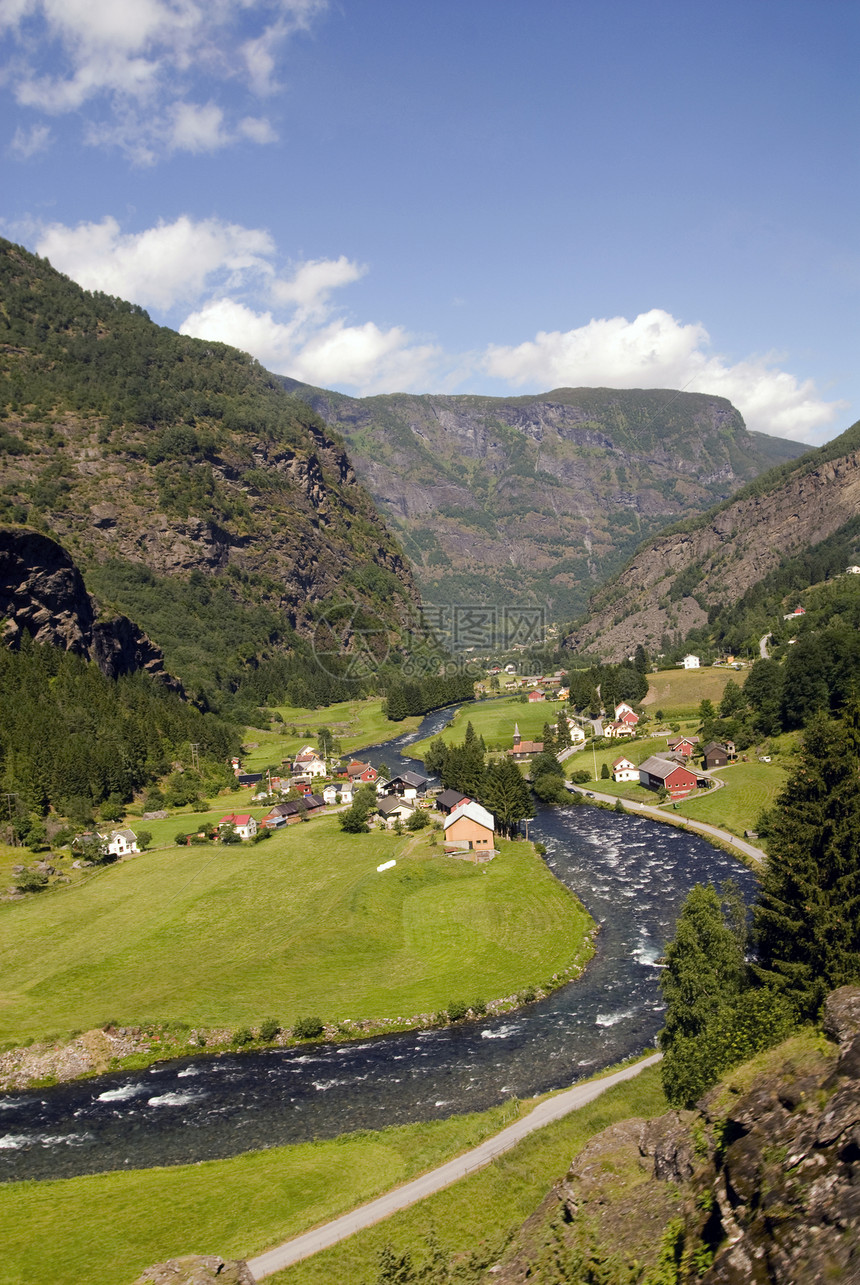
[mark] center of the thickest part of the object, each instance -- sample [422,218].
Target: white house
[624,770]
[309,763]
[242,822]
[347,792]
[330,794]
[121,842]
[690,662]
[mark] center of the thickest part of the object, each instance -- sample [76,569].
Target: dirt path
[292,1251]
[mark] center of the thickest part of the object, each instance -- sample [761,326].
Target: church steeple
[517,737]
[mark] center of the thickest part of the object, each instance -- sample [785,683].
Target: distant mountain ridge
[539,498]
[708,562]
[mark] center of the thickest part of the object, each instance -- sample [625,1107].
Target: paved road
[275,1260]
[673,818]
[762,646]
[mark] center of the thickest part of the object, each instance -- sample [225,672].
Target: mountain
[173,470]
[539,499]
[700,567]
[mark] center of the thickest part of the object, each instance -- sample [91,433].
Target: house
[535,696]
[361,773]
[248,778]
[244,824]
[121,842]
[624,770]
[392,809]
[685,745]
[562,694]
[309,763]
[625,713]
[330,794]
[448,800]
[409,785]
[347,792]
[798,611]
[691,662]
[611,729]
[524,750]
[470,832]
[293,810]
[658,773]
[714,755]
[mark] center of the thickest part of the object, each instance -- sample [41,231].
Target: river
[631,873]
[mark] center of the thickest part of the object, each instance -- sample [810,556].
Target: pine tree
[807,920]
[507,796]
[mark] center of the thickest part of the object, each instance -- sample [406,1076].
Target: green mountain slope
[180,473]
[786,529]
[538,499]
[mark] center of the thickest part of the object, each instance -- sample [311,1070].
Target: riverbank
[187,950]
[113,1225]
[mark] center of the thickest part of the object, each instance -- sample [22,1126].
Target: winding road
[555,1108]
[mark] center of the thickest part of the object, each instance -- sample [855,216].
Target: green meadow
[748,788]
[302,923]
[679,692]
[109,1227]
[494,720]
[354,723]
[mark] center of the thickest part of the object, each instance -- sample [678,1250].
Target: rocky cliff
[537,499]
[670,583]
[42,594]
[760,1185]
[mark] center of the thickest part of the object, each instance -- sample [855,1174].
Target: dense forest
[75,741]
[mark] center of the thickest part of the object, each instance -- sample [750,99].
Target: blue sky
[471,196]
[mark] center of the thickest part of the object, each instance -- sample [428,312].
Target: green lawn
[679,692]
[302,923]
[749,788]
[109,1227]
[494,720]
[354,723]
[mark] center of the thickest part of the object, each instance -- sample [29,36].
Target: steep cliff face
[42,594]
[760,1186]
[670,583]
[539,498]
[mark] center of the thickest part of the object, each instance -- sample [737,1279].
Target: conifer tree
[507,795]
[807,920]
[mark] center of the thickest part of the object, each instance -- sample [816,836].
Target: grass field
[354,723]
[494,720]
[678,692]
[109,1227]
[300,924]
[749,788]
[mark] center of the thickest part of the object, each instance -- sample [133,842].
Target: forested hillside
[185,482]
[540,498]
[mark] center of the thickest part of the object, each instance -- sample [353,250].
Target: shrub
[181,839]
[144,839]
[308,1028]
[478,1007]
[528,995]
[457,1010]
[270,1029]
[242,1036]
[31,881]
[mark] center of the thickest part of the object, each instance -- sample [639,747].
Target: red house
[685,745]
[658,773]
[361,772]
[536,696]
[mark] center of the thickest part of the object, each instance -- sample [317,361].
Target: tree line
[730,992]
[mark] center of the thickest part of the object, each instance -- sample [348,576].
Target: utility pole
[195,755]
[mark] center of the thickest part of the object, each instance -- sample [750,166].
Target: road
[758,855]
[292,1251]
[762,646]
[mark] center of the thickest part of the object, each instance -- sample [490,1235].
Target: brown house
[470,833]
[714,755]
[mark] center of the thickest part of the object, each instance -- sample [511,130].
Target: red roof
[234,819]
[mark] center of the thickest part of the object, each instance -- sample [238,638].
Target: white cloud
[138,69]
[29,142]
[656,351]
[165,265]
[313,281]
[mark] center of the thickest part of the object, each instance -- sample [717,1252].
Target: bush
[242,1036]
[31,881]
[180,839]
[605,773]
[418,820]
[308,1028]
[457,1010]
[478,1007]
[528,996]
[144,839]
[580,777]
[270,1029]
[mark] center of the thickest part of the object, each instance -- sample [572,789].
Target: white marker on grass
[386,865]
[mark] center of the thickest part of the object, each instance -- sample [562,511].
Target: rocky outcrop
[197,1269]
[719,559]
[42,594]
[759,1186]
